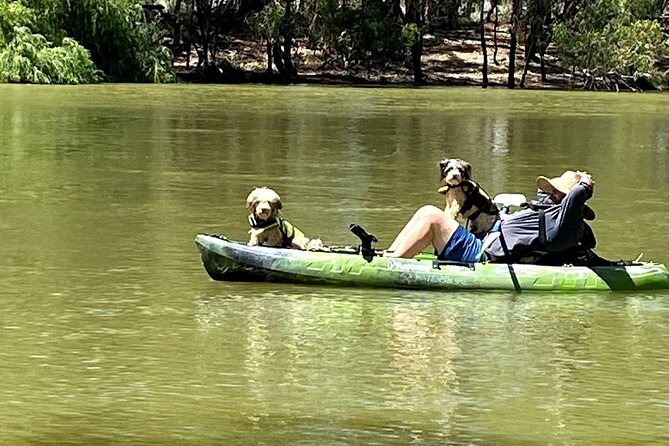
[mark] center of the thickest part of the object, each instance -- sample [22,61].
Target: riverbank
[449,59]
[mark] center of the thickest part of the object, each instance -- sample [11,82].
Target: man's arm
[571,213]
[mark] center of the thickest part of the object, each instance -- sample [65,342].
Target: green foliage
[116,33]
[122,43]
[378,36]
[30,58]
[12,15]
[330,28]
[410,33]
[604,37]
[267,23]
[644,9]
[367,33]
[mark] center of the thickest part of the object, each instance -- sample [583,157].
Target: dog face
[263,203]
[453,171]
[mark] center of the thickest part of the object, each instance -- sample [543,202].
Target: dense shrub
[67,41]
[604,37]
[31,58]
[368,33]
[123,45]
[12,15]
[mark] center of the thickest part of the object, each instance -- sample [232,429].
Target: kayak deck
[234,261]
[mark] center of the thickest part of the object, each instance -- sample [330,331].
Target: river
[112,333]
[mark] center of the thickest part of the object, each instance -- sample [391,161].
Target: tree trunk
[484,48]
[216,17]
[269,57]
[176,38]
[515,13]
[451,18]
[543,64]
[278,60]
[416,54]
[494,38]
[415,14]
[286,31]
[529,53]
[540,16]
[494,6]
[203,18]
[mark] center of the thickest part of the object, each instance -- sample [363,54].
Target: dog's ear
[252,199]
[442,167]
[251,206]
[468,169]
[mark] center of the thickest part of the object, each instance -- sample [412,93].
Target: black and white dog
[465,197]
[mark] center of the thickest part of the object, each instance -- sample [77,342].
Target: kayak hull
[233,261]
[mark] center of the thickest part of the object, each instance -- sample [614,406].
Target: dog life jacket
[288,230]
[478,200]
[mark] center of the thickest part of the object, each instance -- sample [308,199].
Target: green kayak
[234,261]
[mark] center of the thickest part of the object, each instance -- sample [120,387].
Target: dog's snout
[451,175]
[453,171]
[263,209]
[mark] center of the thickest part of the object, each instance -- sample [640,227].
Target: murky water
[112,333]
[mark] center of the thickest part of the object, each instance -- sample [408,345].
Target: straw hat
[563,183]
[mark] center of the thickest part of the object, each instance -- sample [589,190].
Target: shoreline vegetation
[608,45]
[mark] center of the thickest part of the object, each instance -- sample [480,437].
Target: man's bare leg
[429,225]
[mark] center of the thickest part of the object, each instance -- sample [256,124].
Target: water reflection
[545,359]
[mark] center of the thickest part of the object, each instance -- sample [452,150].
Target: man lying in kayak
[551,191]
[551,230]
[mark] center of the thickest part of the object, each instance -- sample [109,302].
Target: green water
[112,333]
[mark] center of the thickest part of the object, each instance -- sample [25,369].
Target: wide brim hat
[564,183]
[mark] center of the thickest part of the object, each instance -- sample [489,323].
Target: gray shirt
[521,231]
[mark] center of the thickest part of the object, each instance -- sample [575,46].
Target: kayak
[229,260]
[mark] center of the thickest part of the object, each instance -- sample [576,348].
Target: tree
[74,41]
[274,23]
[609,45]
[415,17]
[538,21]
[484,48]
[516,9]
[122,43]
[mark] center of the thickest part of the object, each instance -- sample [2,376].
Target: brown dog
[268,228]
[465,197]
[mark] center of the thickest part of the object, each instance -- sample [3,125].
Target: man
[552,230]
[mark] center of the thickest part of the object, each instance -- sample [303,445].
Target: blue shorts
[463,246]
